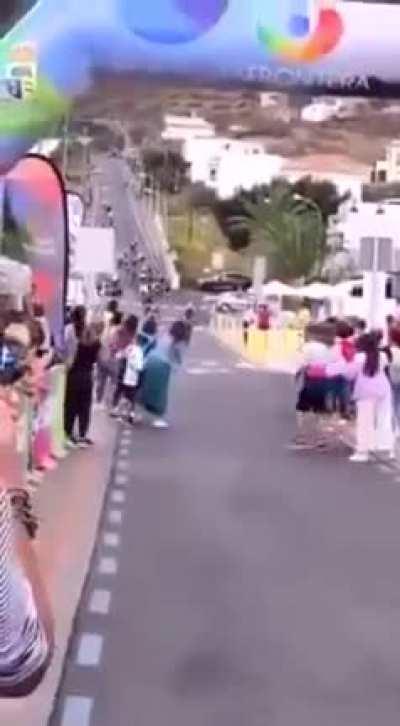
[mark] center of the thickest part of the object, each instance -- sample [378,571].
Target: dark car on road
[225,282]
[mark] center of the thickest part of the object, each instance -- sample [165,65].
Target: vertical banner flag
[35,231]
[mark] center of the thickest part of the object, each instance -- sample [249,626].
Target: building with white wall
[228,165]
[185,128]
[359,219]
[387,170]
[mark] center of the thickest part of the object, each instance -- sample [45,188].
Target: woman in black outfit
[78,397]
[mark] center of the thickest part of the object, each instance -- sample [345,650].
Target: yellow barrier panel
[257,346]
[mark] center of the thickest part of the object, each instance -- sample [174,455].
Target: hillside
[140,109]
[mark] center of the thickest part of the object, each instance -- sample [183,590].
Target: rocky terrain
[140,110]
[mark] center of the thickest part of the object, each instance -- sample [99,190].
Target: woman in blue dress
[166,357]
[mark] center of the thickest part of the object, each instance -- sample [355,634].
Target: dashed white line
[108,566]
[77,711]
[100,602]
[111,539]
[90,650]
[115,516]
[117,496]
[121,479]
[243,365]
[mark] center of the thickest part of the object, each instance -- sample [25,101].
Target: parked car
[225,282]
[230,302]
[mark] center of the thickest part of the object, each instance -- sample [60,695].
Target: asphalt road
[126,212]
[247,585]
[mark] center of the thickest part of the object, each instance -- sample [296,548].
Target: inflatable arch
[51,50]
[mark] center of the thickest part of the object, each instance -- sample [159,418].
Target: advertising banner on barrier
[35,223]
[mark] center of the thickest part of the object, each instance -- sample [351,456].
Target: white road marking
[90,649]
[122,465]
[209,364]
[77,711]
[108,566]
[207,371]
[111,539]
[115,516]
[100,602]
[243,365]
[121,479]
[118,497]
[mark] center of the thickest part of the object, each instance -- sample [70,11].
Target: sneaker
[359,458]
[71,443]
[160,423]
[83,444]
[34,478]
[300,445]
[385,454]
[135,418]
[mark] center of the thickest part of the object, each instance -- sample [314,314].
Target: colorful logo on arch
[172,22]
[303,44]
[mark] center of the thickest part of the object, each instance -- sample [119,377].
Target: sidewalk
[69,505]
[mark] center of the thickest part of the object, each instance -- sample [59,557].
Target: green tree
[323,192]
[165,168]
[233,217]
[232,214]
[288,231]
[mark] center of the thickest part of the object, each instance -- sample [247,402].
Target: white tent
[317,291]
[275,288]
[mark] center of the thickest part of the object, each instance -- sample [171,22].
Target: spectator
[109,313]
[188,322]
[360,328]
[78,397]
[39,313]
[340,387]
[107,363]
[122,340]
[148,336]
[263,318]
[394,374]
[166,356]
[131,380]
[314,385]
[372,393]
[73,332]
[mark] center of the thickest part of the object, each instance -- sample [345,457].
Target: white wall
[228,165]
[366,223]
[94,250]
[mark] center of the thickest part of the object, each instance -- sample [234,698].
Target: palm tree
[288,230]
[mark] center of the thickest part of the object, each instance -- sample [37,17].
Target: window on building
[357,291]
[382,175]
